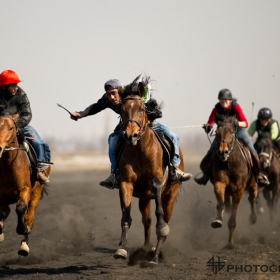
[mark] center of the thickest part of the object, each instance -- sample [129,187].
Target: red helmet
[9,77]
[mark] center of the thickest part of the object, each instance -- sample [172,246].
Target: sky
[65,50]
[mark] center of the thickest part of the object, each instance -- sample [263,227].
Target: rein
[12,140]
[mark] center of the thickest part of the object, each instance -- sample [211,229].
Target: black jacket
[16,104]
[153,110]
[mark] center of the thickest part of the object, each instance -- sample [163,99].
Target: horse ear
[141,89]
[137,79]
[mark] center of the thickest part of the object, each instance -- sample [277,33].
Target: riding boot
[41,176]
[177,175]
[202,180]
[205,166]
[111,182]
[261,178]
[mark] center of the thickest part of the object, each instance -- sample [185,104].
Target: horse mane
[224,119]
[139,86]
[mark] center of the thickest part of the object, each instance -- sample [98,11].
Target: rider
[112,99]
[13,100]
[229,107]
[265,123]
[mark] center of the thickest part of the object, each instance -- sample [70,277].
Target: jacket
[16,104]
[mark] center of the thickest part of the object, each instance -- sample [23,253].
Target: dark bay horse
[270,166]
[143,174]
[230,175]
[16,185]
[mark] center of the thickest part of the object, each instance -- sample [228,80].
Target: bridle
[142,126]
[7,148]
[268,157]
[230,146]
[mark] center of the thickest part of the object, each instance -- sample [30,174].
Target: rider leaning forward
[112,99]
[13,100]
[265,123]
[229,107]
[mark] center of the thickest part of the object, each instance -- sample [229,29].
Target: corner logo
[216,265]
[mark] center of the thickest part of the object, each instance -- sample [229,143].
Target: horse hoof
[2,237]
[217,224]
[261,210]
[229,246]
[147,264]
[121,254]
[253,219]
[23,250]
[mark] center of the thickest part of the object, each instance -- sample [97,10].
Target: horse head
[225,136]
[264,148]
[8,131]
[133,110]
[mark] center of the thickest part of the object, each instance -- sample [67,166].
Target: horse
[231,175]
[16,183]
[270,166]
[144,175]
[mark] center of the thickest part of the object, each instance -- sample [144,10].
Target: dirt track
[77,230]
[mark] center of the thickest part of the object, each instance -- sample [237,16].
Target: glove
[207,128]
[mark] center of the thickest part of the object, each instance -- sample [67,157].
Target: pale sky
[65,50]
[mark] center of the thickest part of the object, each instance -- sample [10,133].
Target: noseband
[268,157]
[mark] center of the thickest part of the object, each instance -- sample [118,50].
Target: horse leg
[227,203]
[168,201]
[162,228]
[125,198]
[260,209]
[5,212]
[33,204]
[267,197]
[253,194]
[274,200]
[21,210]
[219,189]
[236,198]
[24,248]
[145,209]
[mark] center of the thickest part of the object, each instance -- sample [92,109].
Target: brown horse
[143,174]
[16,185]
[231,175]
[270,166]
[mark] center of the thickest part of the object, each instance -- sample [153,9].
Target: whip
[67,111]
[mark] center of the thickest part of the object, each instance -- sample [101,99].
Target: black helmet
[265,113]
[225,94]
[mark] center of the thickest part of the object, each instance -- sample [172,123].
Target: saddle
[30,153]
[166,144]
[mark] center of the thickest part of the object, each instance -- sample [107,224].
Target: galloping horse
[230,175]
[16,184]
[143,174]
[270,166]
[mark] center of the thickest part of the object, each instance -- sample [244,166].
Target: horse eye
[11,128]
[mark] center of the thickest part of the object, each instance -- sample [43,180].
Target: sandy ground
[77,230]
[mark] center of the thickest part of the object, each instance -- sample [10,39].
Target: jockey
[265,123]
[13,100]
[112,99]
[229,107]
